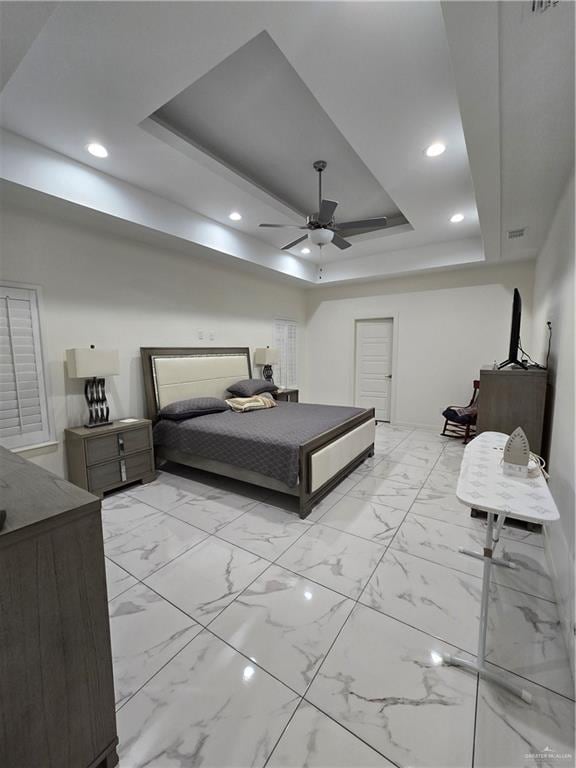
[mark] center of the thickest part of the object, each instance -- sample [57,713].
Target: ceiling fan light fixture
[321,236]
[305,251]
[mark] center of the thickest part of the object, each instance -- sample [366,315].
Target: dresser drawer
[107,447]
[114,473]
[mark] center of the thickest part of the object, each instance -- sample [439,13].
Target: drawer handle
[121,443]
[123,470]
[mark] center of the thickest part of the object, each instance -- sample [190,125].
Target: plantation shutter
[23,403]
[286,341]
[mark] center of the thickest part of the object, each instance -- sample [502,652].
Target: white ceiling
[391,76]
[381,71]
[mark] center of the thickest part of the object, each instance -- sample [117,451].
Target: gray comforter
[266,441]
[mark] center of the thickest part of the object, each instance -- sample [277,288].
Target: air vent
[539,6]
[513,234]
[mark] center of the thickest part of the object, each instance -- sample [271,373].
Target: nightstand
[287,395]
[111,456]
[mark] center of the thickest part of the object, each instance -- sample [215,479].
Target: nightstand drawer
[113,473]
[107,447]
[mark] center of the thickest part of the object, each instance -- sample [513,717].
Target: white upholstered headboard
[178,373]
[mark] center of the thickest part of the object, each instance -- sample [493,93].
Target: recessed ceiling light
[305,251]
[98,150]
[457,218]
[436,149]
[235,216]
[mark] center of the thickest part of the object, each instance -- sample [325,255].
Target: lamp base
[95,395]
[267,373]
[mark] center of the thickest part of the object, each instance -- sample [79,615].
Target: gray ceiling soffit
[20,25]
[255,115]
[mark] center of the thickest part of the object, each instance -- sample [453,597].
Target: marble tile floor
[244,636]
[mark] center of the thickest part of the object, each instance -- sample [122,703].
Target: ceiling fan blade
[326,212]
[339,242]
[363,224]
[282,226]
[293,243]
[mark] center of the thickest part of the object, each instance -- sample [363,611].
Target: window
[286,342]
[23,403]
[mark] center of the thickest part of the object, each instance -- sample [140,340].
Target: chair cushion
[464,415]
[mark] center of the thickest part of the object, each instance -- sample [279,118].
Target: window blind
[286,342]
[23,402]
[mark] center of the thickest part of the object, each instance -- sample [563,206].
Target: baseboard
[436,427]
[561,569]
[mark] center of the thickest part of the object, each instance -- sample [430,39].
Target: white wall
[448,325]
[554,288]
[103,289]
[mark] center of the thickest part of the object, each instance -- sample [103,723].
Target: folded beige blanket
[255,403]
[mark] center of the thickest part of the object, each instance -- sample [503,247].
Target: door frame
[378,316]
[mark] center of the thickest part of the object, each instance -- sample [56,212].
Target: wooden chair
[462,426]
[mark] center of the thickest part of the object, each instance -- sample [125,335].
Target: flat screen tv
[514,333]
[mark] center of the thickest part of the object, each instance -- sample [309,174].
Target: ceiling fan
[322,229]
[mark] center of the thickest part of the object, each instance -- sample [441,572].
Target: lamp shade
[266,356]
[88,363]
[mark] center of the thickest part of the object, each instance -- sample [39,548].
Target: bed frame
[177,373]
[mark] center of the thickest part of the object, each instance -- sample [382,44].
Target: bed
[300,449]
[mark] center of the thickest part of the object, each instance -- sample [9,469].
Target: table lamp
[92,365]
[266,357]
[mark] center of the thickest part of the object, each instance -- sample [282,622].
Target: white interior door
[374,365]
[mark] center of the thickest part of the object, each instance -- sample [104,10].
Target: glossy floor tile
[334,559]
[392,493]
[440,542]
[403,473]
[375,522]
[209,707]
[122,513]
[313,740]
[514,734]
[441,602]
[154,543]
[117,579]
[212,514]
[146,632]
[381,680]
[285,623]
[206,578]
[526,639]
[245,636]
[264,530]
[461,516]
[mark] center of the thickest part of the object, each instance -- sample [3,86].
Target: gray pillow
[251,387]
[196,406]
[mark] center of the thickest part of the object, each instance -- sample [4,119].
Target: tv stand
[510,398]
[519,363]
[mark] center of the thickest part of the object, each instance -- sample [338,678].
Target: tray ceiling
[254,113]
[366,86]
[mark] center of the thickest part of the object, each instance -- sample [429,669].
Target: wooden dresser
[56,686]
[109,457]
[510,398]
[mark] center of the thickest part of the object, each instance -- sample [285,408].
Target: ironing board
[483,485]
